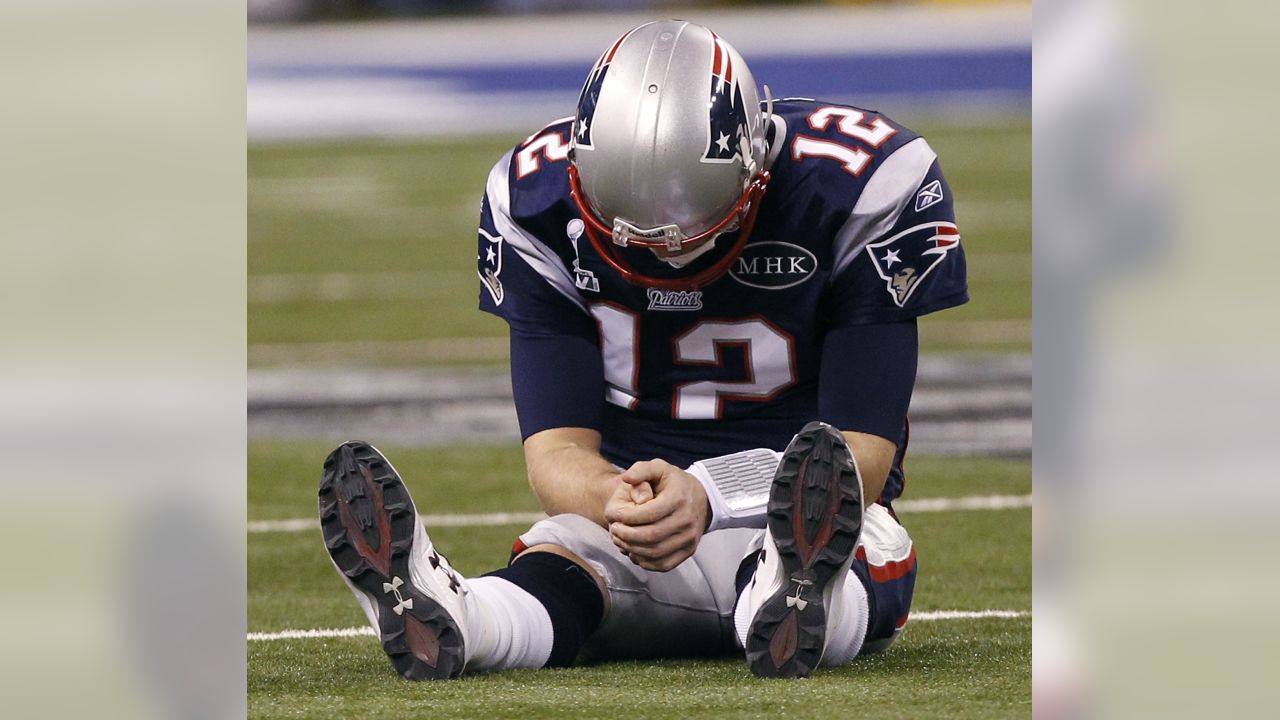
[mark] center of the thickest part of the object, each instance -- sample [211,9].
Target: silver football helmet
[668,152]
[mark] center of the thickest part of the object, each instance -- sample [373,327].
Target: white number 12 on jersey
[769,354]
[850,124]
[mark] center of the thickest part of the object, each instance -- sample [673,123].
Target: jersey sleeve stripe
[885,196]
[531,251]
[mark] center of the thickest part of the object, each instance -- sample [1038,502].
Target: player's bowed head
[668,155]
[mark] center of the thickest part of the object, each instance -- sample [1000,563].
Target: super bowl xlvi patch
[908,257]
[489,265]
[773,265]
[582,279]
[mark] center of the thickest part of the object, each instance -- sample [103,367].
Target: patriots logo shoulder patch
[489,265]
[907,258]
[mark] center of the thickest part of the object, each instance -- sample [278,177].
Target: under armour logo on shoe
[795,601]
[402,603]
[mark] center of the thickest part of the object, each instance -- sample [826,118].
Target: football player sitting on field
[712,304]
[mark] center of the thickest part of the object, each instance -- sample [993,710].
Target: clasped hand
[657,514]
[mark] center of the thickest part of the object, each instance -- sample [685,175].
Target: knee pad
[579,536]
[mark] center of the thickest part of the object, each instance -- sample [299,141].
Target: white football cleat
[814,520]
[421,608]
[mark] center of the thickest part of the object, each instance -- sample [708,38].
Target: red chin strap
[743,215]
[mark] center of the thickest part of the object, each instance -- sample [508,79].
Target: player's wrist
[737,487]
[701,503]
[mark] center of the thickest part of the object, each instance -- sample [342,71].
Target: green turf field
[375,242]
[970,560]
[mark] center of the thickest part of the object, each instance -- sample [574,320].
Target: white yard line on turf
[366,631]
[959,615]
[431,521]
[972,502]
[305,634]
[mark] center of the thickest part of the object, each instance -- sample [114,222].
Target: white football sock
[516,628]
[848,627]
[741,619]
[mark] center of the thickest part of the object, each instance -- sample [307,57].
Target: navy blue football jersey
[856,227]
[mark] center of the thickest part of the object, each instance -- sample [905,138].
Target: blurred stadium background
[371,127]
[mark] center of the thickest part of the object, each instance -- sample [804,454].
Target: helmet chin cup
[607,238]
[669,236]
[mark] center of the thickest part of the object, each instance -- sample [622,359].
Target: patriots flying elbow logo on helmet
[905,259]
[728,137]
[591,95]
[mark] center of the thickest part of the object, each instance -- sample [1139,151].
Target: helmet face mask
[668,241]
[667,153]
[672,239]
